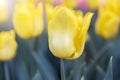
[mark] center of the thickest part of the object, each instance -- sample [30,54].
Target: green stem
[6,71]
[62,69]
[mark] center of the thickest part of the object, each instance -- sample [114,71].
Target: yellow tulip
[113,6]
[70,3]
[94,4]
[67,32]
[107,25]
[4,12]
[8,45]
[28,20]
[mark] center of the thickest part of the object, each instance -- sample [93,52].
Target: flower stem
[6,71]
[62,69]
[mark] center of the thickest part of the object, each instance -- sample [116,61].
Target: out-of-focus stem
[62,69]
[6,71]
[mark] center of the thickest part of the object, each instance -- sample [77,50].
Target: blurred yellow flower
[94,4]
[4,12]
[67,32]
[107,25]
[49,11]
[27,1]
[70,3]
[113,6]
[8,45]
[50,1]
[28,20]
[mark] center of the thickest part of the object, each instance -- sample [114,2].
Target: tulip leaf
[82,78]
[37,76]
[109,73]
[45,67]
[21,71]
[1,71]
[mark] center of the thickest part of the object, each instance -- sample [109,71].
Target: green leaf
[109,73]
[37,76]
[82,78]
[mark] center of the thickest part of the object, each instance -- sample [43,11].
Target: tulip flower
[113,6]
[67,32]
[4,12]
[107,25]
[28,20]
[8,45]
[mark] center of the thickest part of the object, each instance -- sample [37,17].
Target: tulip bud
[113,6]
[107,25]
[28,20]
[67,32]
[8,45]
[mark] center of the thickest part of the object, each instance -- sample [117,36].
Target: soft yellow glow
[27,1]
[3,10]
[70,3]
[3,2]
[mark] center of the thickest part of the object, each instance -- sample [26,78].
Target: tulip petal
[79,16]
[81,36]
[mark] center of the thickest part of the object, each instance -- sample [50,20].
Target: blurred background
[33,59]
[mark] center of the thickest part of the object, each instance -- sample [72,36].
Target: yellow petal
[113,6]
[38,25]
[81,36]
[79,16]
[8,45]
[49,11]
